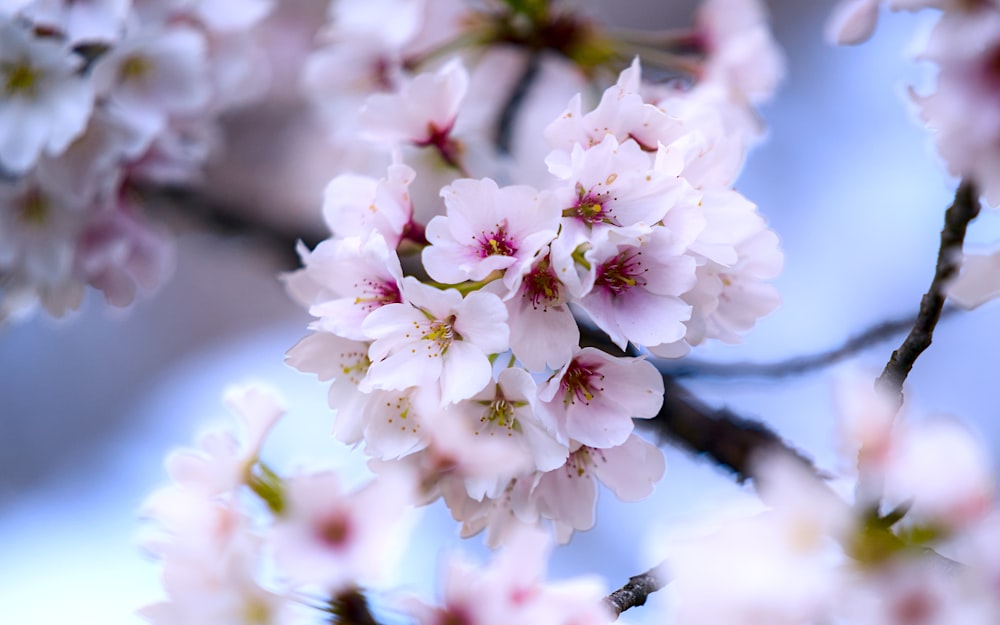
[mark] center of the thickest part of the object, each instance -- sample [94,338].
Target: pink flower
[435,338]
[594,398]
[488,229]
[337,539]
[45,103]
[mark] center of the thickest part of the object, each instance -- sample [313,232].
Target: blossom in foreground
[45,103]
[435,337]
[512,589]
[337,539]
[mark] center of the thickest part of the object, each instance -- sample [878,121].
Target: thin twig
[796,365]
[635,592]
[964,209]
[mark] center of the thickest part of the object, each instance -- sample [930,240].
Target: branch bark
[635,592]
[796,365]
[963,210]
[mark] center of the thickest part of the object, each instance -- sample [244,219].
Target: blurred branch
[504,137]
[350,608]
[194,205]
[635,592]
[796,365]
[963,210]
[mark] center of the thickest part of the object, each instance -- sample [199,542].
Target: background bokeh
[89,405]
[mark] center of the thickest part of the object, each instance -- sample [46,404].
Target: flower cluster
[97,98]
[240,544]
[473,376]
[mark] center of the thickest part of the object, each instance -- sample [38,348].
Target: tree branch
[963,210]
[504,135]
[729,440]
[350,608]
[635,592]
[796,365]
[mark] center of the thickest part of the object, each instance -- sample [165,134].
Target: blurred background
[89,405]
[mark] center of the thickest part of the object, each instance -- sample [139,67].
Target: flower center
[580,383]
[335,531]
[442,332]
[35,210]
[589,208]
[498,243]
[135,68]
[19,78]
[541,285]
[377,294]
[621,273]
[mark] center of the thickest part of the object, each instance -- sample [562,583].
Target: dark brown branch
[350,608]
[964,209]
[797,365]
[729,440]
[635,592]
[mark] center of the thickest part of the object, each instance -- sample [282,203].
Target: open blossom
[150,76]
[339,539]
[222,462]
[621,113]
[613,187]
[356,205]
[423,112]
[963,111]
[543,331]
[435,337]
[512,589]
[488,229]
[356,277]
[637,287]
[568,495]
[594,398]
[45,104]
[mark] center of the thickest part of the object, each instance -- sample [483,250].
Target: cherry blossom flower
[613,187]
[94,20]
[637,289]
[543,331]
[962,111]
[222,463]
[512,589]
[209,565]
[742,53]
[355,205]
[594,398]
[488,229]
[356,277]
[422,113]
[568,495]
[621,113]
[435,337]
[339,540]
[45,104]
[506,412]
[150,76]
